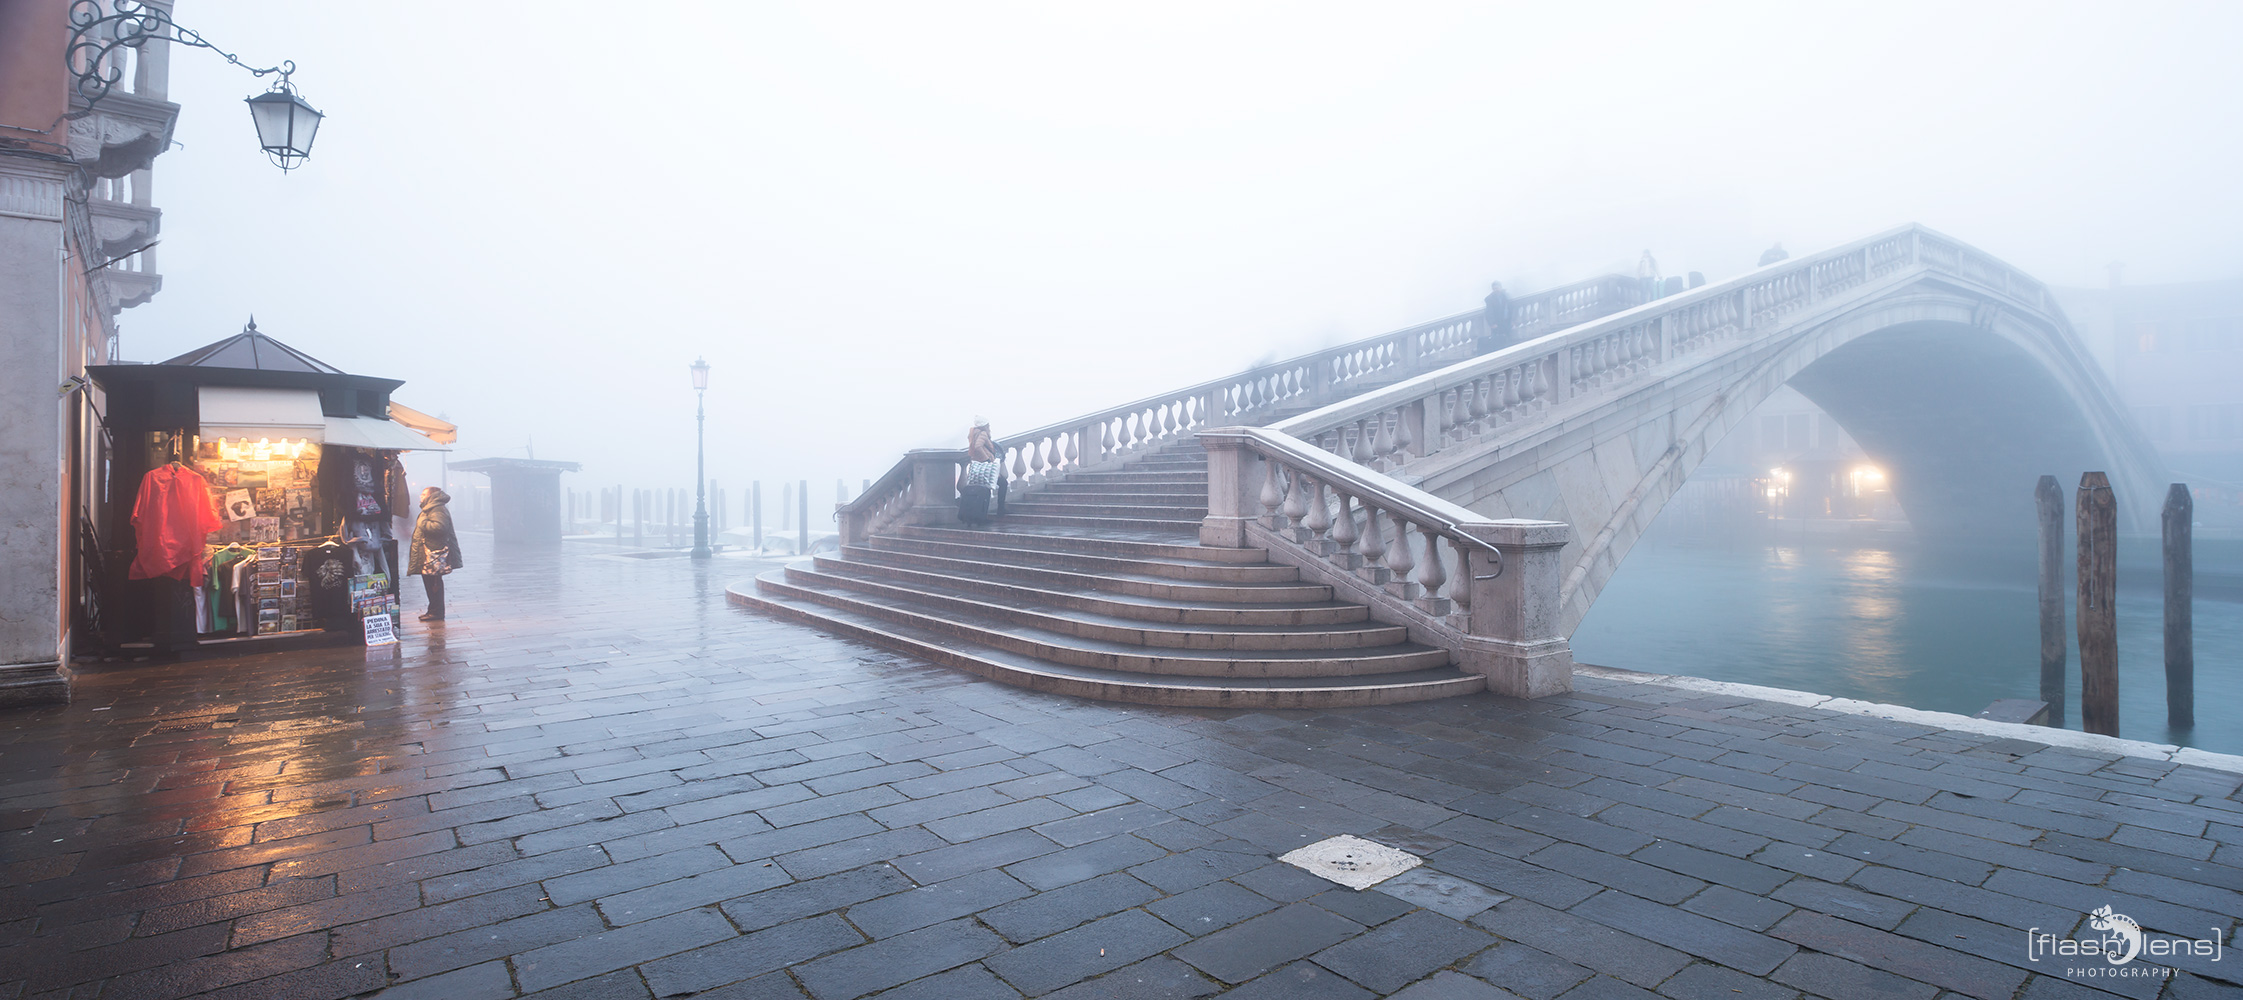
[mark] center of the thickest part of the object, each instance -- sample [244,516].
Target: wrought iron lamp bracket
[98,30]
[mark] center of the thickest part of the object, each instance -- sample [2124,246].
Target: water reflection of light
[1870,566]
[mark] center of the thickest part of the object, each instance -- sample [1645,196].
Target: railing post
[1516,635]
[934,486]
[1233,490]
[1411,433]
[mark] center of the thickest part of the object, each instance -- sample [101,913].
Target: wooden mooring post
[2097,524]
[2180,593]
[2048,497]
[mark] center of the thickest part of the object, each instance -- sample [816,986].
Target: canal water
[1889,618]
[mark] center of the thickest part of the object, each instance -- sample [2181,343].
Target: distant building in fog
[2175,354]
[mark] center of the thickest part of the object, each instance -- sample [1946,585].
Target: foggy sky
[879,221]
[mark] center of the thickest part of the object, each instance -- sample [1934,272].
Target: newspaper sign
[380,630]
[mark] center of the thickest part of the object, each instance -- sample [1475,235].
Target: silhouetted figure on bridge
[1773,254]
[1496,325]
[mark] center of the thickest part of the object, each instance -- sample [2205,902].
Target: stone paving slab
[598,781]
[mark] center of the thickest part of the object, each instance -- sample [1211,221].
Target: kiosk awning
[243,413]
[439,431]
[377,433]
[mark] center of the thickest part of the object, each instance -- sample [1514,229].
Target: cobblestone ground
[600,781]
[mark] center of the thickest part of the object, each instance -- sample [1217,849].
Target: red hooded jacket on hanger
[170,519]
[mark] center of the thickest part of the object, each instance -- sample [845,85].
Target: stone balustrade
[1486,589]
[1047,454]
[1532,381]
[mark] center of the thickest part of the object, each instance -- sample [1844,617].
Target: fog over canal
[1892,618]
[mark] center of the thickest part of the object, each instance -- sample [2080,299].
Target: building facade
[2175,353]
[75,223]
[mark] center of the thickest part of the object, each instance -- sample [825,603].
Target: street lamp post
[700,460]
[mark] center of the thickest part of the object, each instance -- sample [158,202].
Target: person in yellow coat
[436,549]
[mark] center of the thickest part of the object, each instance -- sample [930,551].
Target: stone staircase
[1096,585]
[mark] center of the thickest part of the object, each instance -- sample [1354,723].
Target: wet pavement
[600,781]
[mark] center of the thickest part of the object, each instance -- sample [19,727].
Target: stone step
[1062,493]
[1081,577]
[1179,542]
[1066,506]
[1134,607]
[1076,651]
[1359,634]
[1156,480]
[1022,555]
[775,593]
[1120,523]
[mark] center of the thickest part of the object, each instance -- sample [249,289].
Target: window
[2145,338]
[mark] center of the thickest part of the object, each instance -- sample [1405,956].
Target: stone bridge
[1956,372]
[1418,515]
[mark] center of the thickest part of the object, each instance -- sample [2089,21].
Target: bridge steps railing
[1484,589]
[1526,383]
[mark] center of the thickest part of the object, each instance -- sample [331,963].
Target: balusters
[1296,503]
[1461,593]
[1272,494]
[1343,533]
[1431,574]
[1476,404]
[1373,546]
[1365,448]
[1405,439]
[1319,520]
[1384,446]
[1399,563]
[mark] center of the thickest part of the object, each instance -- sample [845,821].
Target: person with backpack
[981,486]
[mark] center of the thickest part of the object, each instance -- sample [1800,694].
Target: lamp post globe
[700,368]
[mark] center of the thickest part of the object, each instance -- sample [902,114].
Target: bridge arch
[1944,346]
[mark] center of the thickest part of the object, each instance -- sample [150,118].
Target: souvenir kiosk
[257,497]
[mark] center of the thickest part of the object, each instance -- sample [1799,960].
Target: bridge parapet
[1527,383]
[1049,454]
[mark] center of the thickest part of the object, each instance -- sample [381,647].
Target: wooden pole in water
[2180,593]
[802,533]
[2048,497]
[2098,615]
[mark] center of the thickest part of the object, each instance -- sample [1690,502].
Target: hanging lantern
[285,125]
